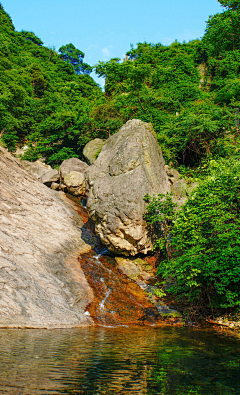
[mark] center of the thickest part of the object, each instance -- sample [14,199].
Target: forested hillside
[46,98]
[189,91]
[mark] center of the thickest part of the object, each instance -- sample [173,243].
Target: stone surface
[179,189]
[143,274]
[49,177]
[173,174]
[129,166]
[37,168]
[41,282]
[178,186]
[62,187]
[55,186]
[136,269]
[92,149]
[75,183]
[118,300]
[72,164]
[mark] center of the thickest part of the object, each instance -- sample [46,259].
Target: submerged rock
[41,282]
[129,166]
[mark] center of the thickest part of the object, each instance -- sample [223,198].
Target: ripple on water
[119,361]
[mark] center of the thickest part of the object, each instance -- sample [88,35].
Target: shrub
[205,267]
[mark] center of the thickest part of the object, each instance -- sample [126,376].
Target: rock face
[37,168]
[129,166]
[72,164]
[92,149]
[75,183]
[136,269]
[49,177]
[41,282]
[178,186]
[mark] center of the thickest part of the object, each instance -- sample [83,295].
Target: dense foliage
[46,98]
[204,239]
[188,91]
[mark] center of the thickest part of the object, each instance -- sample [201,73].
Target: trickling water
[118,300]
[104,300]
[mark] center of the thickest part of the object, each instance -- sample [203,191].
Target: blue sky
[104,29]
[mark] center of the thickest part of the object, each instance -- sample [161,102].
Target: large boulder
[92,149]
[129,166]
[72,164]
[41,282]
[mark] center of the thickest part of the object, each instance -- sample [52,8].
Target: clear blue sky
[104,29]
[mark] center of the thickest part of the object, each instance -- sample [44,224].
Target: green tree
[223,30]
[31,36]
[74,56]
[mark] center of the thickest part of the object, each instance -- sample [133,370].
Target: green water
[119,361]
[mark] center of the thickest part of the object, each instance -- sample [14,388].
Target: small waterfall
[118,300]
[107,295]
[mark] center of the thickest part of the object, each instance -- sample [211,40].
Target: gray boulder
[129,166]
[72,164]
[92,149]
[75,183]
[49,177]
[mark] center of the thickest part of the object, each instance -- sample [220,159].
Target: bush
[205,268]
[10,140]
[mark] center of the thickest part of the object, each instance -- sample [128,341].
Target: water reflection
[119,361]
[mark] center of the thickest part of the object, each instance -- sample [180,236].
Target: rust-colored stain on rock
[117,299]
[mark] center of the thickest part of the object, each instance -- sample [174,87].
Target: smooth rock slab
[129,166]
[41,281]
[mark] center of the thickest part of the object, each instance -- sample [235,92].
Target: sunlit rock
[92,149]
[37,168]
[129,166]
[41,282]
[72,164]
[75,183]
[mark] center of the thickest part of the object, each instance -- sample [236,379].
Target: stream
[141,361]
